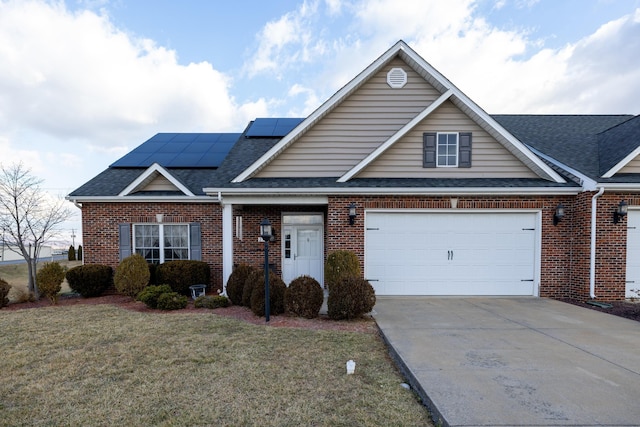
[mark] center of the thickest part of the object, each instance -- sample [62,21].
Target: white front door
[633,255]
[302,250]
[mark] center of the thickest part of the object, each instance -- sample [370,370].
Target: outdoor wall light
[559,214]
[620,211]
[265,233]
[352,213]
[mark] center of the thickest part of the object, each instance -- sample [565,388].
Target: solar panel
[183,150]
[272,127]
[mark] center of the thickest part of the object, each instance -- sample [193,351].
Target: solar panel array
[272,127]
[180,150]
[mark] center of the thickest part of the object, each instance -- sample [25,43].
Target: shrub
[235,284]
[341,264]
[49,280]
[79,253]
[71,255]
[180,274]
[21,295]
[277,288]
[132,275]
[150,294]
[4,291]
[213,301]
[172,301]
[90,280]
[254,278]
[304,297]
[349,298]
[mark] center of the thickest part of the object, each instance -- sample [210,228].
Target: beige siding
[159,183]
[356,127]
[489,159]
[632,167]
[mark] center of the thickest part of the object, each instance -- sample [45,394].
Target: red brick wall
[100,229]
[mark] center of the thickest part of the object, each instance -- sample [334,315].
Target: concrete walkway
[515,361]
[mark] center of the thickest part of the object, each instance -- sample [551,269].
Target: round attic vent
[396,78]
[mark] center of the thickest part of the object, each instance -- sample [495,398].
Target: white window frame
[161,233]
[446,155]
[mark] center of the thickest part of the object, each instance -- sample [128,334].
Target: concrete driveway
[515,361]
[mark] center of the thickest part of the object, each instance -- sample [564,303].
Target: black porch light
[352,213]
[266,234]
[559,214]
[620,211]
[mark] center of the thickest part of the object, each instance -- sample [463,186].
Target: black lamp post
[266,234]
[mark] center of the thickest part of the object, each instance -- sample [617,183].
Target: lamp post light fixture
[352,213]
[620,211]
[266,234]
[559,214]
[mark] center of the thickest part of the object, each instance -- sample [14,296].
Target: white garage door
[633,254]
[418,253]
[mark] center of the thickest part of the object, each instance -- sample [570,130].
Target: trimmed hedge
[90,280]
[350,298]
[180,274]
[211,301]
[339,265]
[49,280]
[4,291]
[304,297]
[237,279]
[277,289]
[172,301]
[132,275]
[150,294]
[255,277]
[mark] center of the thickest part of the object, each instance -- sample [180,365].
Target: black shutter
[124,239]
[196,241]
[464,150]
[429,150]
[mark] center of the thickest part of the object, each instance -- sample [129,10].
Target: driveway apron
[515,361]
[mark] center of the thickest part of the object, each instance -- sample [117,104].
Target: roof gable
[434,78]
[156,178]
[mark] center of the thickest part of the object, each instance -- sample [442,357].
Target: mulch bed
[365,324]
[626,309]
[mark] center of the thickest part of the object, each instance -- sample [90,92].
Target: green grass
[102,365]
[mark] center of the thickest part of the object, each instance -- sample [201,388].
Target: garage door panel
[451,254]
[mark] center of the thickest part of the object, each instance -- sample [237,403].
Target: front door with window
[302,246]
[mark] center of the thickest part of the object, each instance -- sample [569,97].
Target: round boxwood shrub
[341,264]
[90,280]
[150,294]
[211,301]
[277,288]
[180,274]
[132,275]
[350,298]
[49,280]
[172,301]
[237,279]
[304,297]
[253,279]
[4,291]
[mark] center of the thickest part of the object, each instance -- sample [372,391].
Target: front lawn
[89,365]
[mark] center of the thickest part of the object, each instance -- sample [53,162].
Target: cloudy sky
[84,81]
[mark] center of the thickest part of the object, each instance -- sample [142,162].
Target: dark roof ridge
[619,124]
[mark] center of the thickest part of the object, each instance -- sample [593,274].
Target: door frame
[294,226]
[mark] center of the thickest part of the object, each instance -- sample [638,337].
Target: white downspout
[592,263]
[227,245]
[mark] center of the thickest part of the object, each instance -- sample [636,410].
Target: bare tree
[28,216]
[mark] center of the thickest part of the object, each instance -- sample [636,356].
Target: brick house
[433,194]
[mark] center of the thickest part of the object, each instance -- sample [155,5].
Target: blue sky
[84,81]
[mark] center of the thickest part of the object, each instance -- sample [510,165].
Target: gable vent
[396,78]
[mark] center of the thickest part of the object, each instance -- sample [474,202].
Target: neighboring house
[448,199]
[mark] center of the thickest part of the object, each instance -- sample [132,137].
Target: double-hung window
[446,150]
[159,243]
